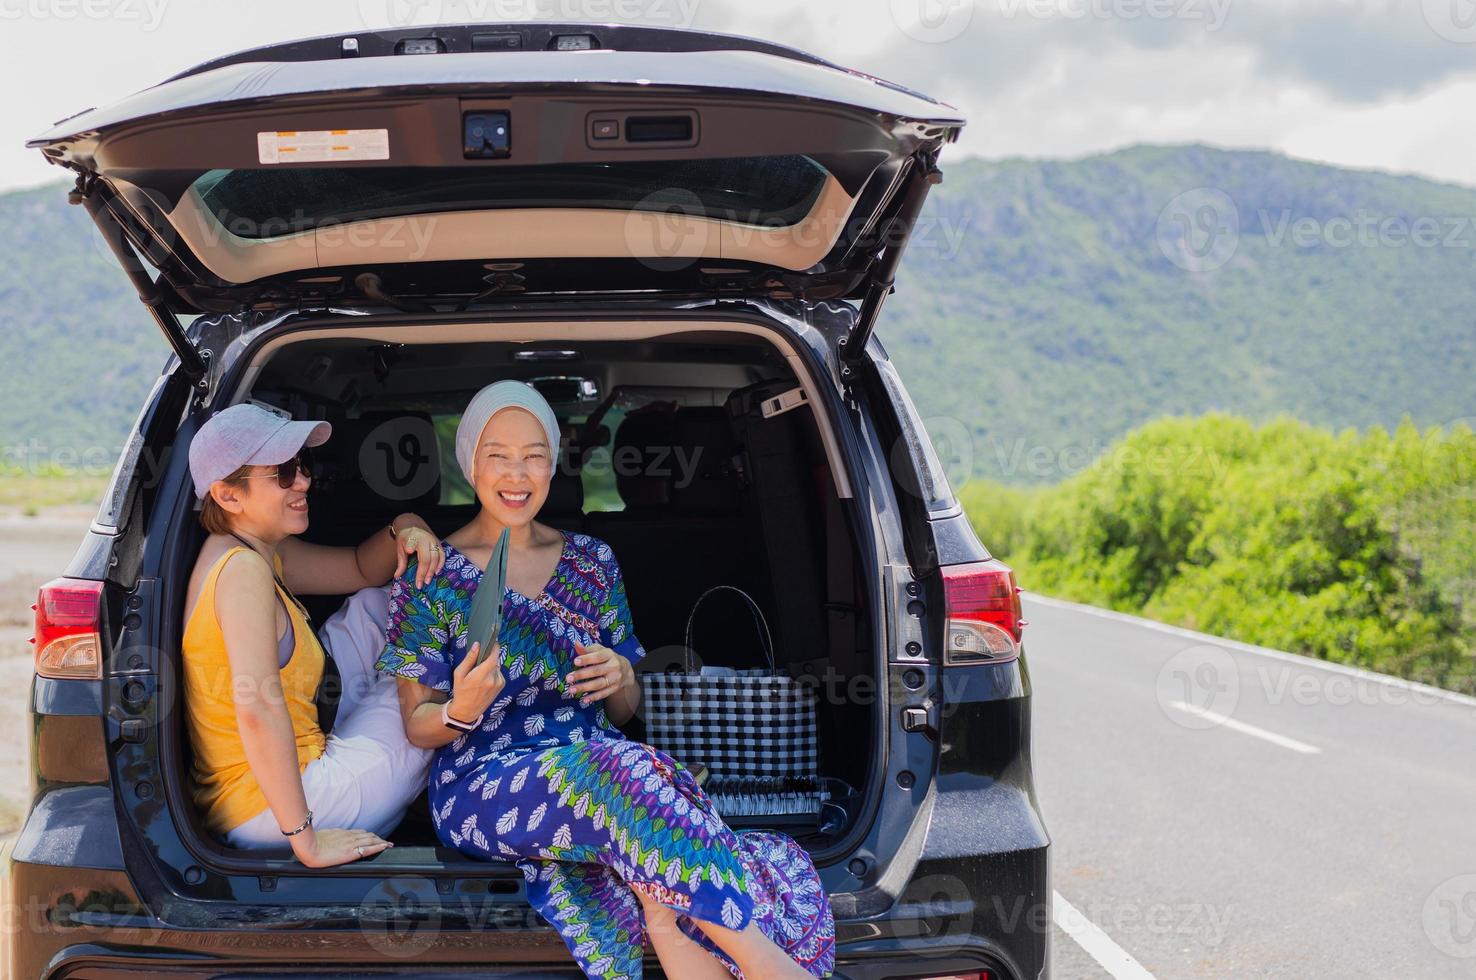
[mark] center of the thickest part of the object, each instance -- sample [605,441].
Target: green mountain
[80,352]
[1045,307]
[1074,309]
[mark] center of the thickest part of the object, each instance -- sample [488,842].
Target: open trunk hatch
[296,175]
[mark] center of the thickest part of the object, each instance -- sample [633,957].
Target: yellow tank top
[224,789]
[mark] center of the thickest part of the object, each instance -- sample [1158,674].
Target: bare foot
[680,955]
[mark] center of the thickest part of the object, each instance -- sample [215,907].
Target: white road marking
[1110,956]
[1292,658]
[1225,721]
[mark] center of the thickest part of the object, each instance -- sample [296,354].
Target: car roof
[517,36]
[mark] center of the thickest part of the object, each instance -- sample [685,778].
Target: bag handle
[753,609]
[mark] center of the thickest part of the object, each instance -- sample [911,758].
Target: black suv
[684,240]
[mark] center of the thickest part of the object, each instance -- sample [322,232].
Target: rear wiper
[372,286]
[499,281]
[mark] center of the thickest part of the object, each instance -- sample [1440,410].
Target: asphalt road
[1219,812]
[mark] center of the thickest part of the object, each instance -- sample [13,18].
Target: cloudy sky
[1384,84]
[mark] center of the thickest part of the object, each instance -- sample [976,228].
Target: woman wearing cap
[264,772]
[615,838]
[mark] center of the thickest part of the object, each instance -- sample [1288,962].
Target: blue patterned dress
[586,813]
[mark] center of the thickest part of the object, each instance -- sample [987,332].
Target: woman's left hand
[426,549]
[602,672]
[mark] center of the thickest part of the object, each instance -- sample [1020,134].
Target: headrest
[705,481]
[565,495]
[641,455]
[379,461]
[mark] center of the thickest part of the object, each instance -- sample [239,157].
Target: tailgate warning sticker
[319,145]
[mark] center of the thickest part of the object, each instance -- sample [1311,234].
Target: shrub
[1354,547]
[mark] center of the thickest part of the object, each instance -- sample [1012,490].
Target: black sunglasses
[287,470]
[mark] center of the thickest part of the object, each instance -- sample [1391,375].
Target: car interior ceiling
[678,494]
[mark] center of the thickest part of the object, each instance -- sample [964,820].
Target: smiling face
[512,467]
[256,504]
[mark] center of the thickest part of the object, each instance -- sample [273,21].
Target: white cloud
[1416,135]
[1362,83]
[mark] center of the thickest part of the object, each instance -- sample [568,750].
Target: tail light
[69,629]
[983,613]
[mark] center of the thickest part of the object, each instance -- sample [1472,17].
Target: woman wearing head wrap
[615,838]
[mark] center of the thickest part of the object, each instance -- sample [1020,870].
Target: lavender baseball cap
[248,434]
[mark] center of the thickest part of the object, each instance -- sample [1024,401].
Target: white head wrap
[493,399]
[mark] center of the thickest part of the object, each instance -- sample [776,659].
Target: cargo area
[698,455]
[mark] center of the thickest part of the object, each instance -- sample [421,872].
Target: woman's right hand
[475,686]
[333,846]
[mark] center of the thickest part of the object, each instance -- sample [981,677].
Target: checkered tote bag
[754,730]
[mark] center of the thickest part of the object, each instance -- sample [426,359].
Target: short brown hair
[213,517]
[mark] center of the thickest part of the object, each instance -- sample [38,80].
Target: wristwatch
[460,726]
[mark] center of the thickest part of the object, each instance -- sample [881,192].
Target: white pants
[369,772]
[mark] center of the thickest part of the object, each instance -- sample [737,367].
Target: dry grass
[17,593]
[31,492]
[12,812]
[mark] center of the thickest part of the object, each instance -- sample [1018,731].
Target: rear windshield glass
[771,191]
